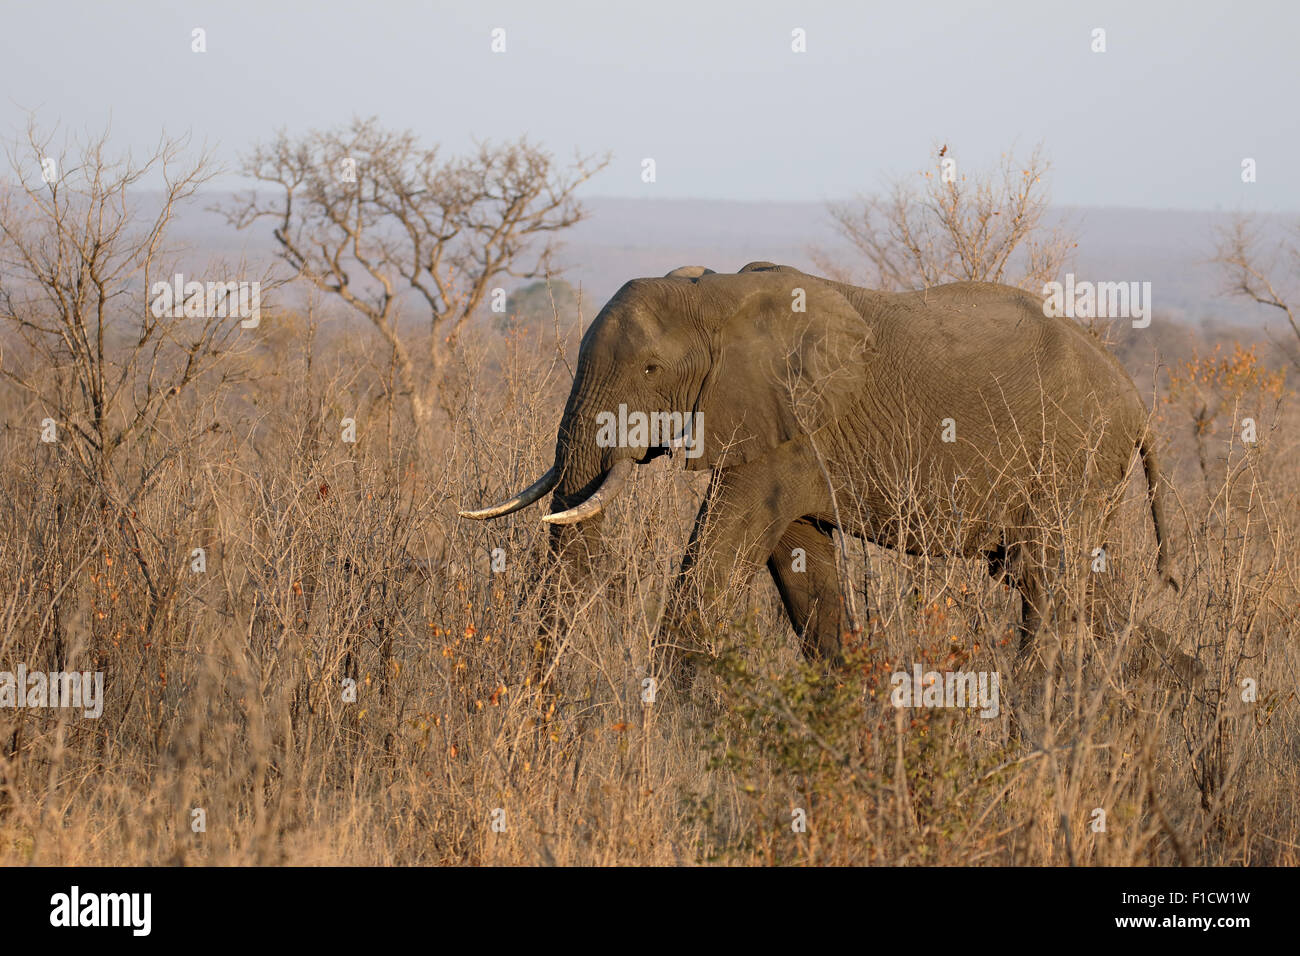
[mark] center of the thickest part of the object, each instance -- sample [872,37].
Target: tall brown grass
[329,562]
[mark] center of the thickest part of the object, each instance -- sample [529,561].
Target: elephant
[940,421]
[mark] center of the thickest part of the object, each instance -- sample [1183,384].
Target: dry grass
[327,560]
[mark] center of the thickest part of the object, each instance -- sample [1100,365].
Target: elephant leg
[1032,615]
[1028,567]
[668,653]
[1010,565]
[1006,565]
[744,515]
[803,567]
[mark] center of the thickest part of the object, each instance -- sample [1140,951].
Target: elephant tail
[1156,497]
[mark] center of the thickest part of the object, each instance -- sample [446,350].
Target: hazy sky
[710,90]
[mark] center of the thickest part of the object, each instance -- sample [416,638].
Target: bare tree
[78,254]
[108,379]
[946,226]
[1248,276]
[369,214]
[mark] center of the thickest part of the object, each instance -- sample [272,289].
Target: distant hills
[627,238]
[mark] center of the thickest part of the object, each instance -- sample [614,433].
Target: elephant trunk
[591,474]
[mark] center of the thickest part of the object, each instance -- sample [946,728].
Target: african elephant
[938,421]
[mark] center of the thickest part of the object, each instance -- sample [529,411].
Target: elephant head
[726,366]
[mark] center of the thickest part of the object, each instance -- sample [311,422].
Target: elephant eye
[651,369]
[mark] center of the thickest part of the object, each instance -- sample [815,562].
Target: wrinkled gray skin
[855,389]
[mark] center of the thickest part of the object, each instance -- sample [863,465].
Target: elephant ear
[689,272]
[778,372]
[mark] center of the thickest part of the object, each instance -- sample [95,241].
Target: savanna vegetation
[252,533]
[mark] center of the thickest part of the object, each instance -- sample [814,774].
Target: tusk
[596,503]
[522,500]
